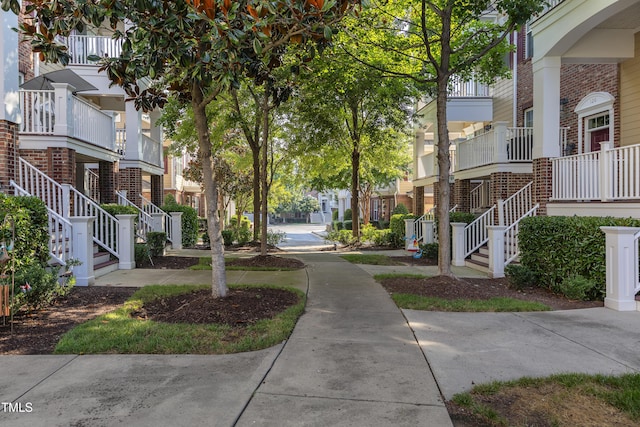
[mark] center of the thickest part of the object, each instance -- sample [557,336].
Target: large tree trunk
[444,164]
[355,185]
[263,171]
[255,152]
[218,274]
[365,201]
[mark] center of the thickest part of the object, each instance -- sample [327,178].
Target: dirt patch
[267,261]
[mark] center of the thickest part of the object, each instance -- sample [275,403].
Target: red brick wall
[157,189]
[542,183]
[417,206]
[130,179]
[8,144]
[61,165]
[25,57]
[108,181]
[462,195]
[38,158]
[576,82]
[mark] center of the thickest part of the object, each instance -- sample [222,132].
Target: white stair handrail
[512,248]
[106,228]
[61,232]
[476,233]
[151,208]
[145,221]
[516,206]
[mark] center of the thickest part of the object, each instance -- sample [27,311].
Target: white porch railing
[429,163]
[151,151]
[479,197]
[608,174]
[60,113]
[83,46]
[121,141]
[459,88]
[145,222]
[151,209]
[476,234]
[511,247]
[478,151]
[92,184]
[60,230]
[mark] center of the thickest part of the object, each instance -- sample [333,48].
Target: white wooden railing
[92,184]
[476,233]
[60,113]
[459,88]
[145,222]
[151,151]
[605,175]
[60,231]
[511,246]
[479,197]
[429,163]
[83,46]
[65,201]
[478,151]
[152,209]
[121,141]
[515,207]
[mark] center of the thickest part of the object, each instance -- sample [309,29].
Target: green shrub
[577,287]
[114,209]
[337,225]
[189,221]
[383,225]
[156,240]
[141,253]
[348,224]
[555,248]
[429,250]
[227,237]
[274,238]
[465,217]
[342,236]
[400,209]
[31,223]
[241,234]
[36,286]
[519,276]
[334,215]
[205,239]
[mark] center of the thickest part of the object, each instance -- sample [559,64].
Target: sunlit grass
[498,304]
[603,398]
[121,332]
[370,259]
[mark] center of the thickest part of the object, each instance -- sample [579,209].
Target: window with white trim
[528,42]
[528,118]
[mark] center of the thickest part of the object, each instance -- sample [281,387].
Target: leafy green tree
[429,42]
[193,50]
[368,112]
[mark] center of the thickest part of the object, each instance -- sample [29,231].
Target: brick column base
[418,201]
[108,181]
[542,183]
[462,195]
[157,190]
[8,153]
[130,179]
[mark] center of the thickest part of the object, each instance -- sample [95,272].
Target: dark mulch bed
[38,333]
[270,261]
[239,307]
[472,288]
[169,262]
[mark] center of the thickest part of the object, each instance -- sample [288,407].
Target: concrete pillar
[606,174]
[82,241]
[428,235]
[63,109]
[458,246]
[496,250]
[176,230]
[500,142]
[127,233]
[409,233]
[157,222]
[622,267]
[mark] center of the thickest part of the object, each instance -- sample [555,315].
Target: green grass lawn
[120,332]
[204,263]
[416,302]
[371,259]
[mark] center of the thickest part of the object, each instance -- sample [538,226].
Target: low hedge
[189,221]
[555,248]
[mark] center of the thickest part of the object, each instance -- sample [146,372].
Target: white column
[82,240]
[127,234]
[157,222]
[428,235]
[409,234]
[9,70]
[457,244]
[496,250]
[546,107]
[63,124]
[176,230]
[66,201]
[622,267]
[500,142]
[133,121]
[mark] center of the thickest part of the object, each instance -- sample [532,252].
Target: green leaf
[328,33]
[257,47]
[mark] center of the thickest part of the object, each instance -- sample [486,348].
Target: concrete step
[476,265]
[105,267]
[101,257]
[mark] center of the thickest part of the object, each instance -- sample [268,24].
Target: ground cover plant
[371,259]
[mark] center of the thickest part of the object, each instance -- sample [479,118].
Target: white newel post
[82,241]
[605,171]
[496,250]
[127,232]
[63,122]
[66,200]
[409,234]
[427,231]
[622,267]
[176,229]
[457,243]
[500,142]
[157,222]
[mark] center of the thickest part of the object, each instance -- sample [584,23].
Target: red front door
[598,136]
